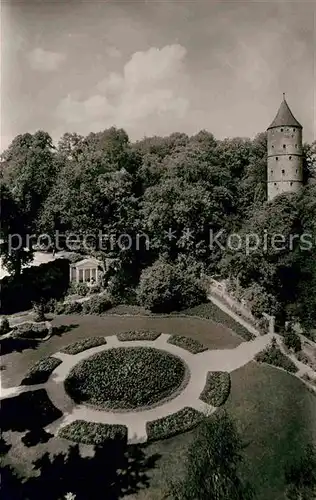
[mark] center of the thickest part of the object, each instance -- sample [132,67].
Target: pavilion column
[77,274]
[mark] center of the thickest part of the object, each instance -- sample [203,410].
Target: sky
[155,67]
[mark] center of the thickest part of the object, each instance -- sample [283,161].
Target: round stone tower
[285,154]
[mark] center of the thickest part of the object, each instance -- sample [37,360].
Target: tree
[13,233]
[213,459]
[166,287]
[300,476]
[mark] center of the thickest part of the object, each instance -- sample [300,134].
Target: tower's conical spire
[284,116]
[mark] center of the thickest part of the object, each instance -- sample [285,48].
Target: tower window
[284,146]
[271,171]
[276,158]
[296,145]
[281,129]
[296,171]
[291,183]
[275,183]
[293,129]
[283,172]
[290,157]
[272,145]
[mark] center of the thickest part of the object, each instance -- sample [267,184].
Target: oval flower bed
[126,378]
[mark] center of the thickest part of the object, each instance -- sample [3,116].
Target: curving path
[199,365]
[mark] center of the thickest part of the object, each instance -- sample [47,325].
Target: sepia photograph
[158,250]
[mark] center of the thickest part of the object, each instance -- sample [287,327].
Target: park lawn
[274,410]
[213,335]
[276,414]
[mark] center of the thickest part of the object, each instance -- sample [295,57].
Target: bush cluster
[272,355]
[217,388]
[187,343]
[126,378]
[68,308]
[93,433]
[138,335]
[78,289]
[165,287]
[30,330]
[292,340]
[83,345]
[41,371]
[181,421]
[97,305]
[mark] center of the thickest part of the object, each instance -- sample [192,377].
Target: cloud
[45,60]
[113,52]
[149,86]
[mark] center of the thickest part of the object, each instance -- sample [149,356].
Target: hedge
[41,371]
[187,343]
[216,389]
[83,345]
[93,433]
[138,335]
[181,421]
[273,356]
[47,281]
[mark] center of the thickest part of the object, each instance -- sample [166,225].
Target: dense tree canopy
[164,197]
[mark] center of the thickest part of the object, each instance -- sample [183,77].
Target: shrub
[68,308]
[97,305]
[39,311]
[165,287]
[138,335]
[30,330]
[4,326]
[78,289]
[181,421]
[83,345]
[126,377]
[93,433]
[51,306]
[217,388]
[41,371]
[273,356]
[187,343]
[292,341]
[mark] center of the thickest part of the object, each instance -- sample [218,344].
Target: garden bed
[126,378]
[83,345]
[274,356]
[187,343]
[181,421]
[138,335]
[217,388]
[93,433]
[41,371]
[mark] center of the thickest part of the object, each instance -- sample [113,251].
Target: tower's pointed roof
[284,117]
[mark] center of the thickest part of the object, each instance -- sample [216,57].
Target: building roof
[89,261]
[284,117]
